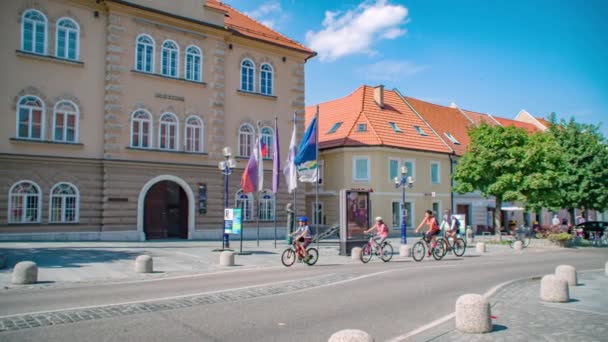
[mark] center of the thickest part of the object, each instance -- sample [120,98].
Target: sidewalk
[521,316]
[64,263]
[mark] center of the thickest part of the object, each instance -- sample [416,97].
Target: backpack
[454,218]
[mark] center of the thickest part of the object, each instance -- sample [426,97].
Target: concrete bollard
[554,289]
[568,273]
[518,245]
[355,253]
[25,272]
[606,268]
[2,261]
[405,251]
[480,247]
[351,335]
[227,258]
[144,264]
[473,314]
[470,236]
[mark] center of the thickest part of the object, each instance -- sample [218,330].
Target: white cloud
[357,30]
[389,70]
[269,14]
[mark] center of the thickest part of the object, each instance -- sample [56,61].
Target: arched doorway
[166,211]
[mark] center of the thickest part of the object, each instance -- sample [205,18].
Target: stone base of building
[73,236]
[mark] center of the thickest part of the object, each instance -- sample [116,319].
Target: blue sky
[495,57]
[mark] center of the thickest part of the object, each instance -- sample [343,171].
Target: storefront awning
[512,208]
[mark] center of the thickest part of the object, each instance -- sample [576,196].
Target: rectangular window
[420,131]
[452,139]
[321,171]
[393,169]
[361,169]
[28,33]
[317,215]
[395,127]
[335,127]
[397,214]
[435,173]
[362,128]
[437,210]
[411,168]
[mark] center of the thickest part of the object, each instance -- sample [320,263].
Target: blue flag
[306,159]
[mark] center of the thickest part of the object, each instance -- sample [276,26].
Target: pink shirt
[382,230]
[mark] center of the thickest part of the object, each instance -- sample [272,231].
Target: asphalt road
[280,304]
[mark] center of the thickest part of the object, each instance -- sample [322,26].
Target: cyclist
[303,236]
[381,233]
[452,224]
[431,221]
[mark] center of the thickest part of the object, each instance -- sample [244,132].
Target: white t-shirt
[305,230]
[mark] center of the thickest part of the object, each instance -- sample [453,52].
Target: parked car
[592,226]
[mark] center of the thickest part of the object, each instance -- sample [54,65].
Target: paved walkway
[521,316]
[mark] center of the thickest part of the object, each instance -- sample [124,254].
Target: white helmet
[379,218]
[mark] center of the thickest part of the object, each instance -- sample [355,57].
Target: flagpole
[275,175]
[317,180]
[258,219]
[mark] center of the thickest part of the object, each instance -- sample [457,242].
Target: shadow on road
[498,327]
[65,257]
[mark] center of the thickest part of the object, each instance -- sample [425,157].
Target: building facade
[119,111]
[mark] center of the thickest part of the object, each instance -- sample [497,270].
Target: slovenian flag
[250,178]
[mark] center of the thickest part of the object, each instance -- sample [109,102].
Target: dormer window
[362,127]
[335,127]
[420,131]
[452,139]
[395,127]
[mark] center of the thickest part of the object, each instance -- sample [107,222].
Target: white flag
[260,164]
[290,171]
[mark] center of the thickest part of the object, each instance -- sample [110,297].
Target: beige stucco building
[118,111]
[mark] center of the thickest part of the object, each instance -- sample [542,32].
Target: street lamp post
[226,166]
[403,182]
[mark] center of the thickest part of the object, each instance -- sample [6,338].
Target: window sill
[49,58]
[361,180]
[143,73]
[165,151]
[50,142]
[241,157]
[63,223]
[258,95]
[37,223]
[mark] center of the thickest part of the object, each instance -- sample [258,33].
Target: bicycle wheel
[387,252]
[526,241]
[313,256]
[288,257]
[445,244]
[459,247]
[418,251]
[438,251]
[366,253]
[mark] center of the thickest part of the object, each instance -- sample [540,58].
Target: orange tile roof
[544,122]
[248,27]
[478,118]
[508,122]
[445,120]
[360,108]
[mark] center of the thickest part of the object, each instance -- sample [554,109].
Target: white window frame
[438,172]
[150,122]
[76,114]
[362,127]
[413,170]
[247,211]
[249,145]
[314,213]
[30,108]
[24,203]
[64,202]
[67,32]
[451,138]
[399,163]
[46,30]
[267,138]
[164,49]
[411,213]
[199,54]
[168,125]
[201,127]
[267,205]
[321,171]
[153,53]
[369,176]
[252,68]
[269,82]
[335,127]
[420,131]
[395,127]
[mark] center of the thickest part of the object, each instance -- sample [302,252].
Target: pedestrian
[580,219]
[555,222]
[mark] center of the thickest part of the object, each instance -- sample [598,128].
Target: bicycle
[419,249]
[521,234]
[289,255]
[385,253]
[458,245]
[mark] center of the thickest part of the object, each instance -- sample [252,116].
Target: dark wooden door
[166,211]
[464,209]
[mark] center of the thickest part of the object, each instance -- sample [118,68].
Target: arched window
[266,79]
[247,75]
[33,32]
[65,122]
[266,210]
[194,64]
[194,134]
[168,132]
[266,137]
[68,39]
[24,202]
[245,202]
[144,54]
[245,140]
[64,204]
[141,129]
[30,117]
[170,59]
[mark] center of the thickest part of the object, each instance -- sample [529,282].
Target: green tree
[493,166]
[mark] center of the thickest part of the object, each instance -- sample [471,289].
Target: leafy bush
[560,237]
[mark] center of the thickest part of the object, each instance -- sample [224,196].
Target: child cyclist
[431,221]
[450,224]
[303,237]
[381,233]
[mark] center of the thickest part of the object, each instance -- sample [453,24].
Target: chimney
[453,105]
[379,95]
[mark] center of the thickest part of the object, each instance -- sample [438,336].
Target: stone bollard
[227,258]
[351,335]
[355,253]
[2,261]
[606,268]
[25,272]
[405,251]
[473,314]
[554,289]
[144,264]
[470,236]
[518,245]
[480,247]
[568,273]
